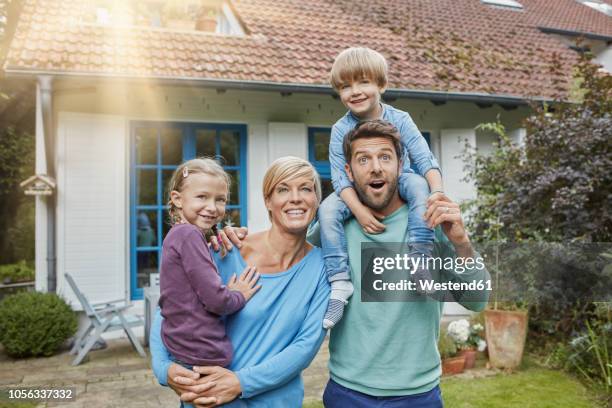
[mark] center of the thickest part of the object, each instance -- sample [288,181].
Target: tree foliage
[555,186]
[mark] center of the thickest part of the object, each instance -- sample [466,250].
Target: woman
[277,334]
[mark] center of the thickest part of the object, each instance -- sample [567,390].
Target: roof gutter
[590,36]
[434,96]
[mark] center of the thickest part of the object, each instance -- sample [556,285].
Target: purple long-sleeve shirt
[193,299]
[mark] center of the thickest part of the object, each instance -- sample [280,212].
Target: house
[127,90]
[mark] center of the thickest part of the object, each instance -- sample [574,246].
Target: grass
[531,387]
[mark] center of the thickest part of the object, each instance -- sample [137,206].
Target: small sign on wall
[38,185]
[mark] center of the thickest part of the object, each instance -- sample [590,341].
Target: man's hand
[189,386]
[227,385]
[368,221]
[441,210]
[229,237]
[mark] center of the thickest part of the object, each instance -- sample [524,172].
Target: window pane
[235,187]
[147,264]
[205,143]
[326,188]
[232,217]
[165,223]
[147,187]
[146,228]
[230,147]
[171,146]
[166,176]
[146,145]
[321,146]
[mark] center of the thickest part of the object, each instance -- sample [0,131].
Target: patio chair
[103,317]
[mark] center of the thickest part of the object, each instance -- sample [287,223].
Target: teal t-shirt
[390,348]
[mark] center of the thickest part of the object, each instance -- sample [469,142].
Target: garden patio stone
[116,377]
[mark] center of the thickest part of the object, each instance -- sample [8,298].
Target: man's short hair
[356,63]
[372,128]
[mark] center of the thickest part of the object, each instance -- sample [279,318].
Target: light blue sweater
[275,336]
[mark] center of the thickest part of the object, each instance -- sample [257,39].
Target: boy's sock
[341,291]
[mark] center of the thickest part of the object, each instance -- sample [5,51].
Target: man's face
[373,169]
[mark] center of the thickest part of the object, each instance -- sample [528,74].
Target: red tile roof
[442,45]
[568,15]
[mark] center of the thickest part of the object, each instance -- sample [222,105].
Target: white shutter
[92,206]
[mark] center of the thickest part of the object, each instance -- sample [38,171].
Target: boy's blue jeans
[412,187]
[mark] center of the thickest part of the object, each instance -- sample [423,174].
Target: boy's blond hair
[356,63]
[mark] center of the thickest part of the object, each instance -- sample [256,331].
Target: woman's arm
[288,363]
[160,357]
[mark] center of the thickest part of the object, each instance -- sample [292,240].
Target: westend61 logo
[525,273]
[397,272]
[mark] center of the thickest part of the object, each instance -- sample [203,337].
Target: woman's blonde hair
[201,165]
[356,63]
[289,168]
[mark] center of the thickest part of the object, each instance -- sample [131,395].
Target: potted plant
[468,339]
[507,322]
[206,20]
[451,362]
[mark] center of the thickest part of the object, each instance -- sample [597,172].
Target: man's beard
[369,201]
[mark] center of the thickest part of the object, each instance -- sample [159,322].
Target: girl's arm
[204,278]
[288,363]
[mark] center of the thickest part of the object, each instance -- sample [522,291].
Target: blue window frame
[157,148]
[318,154]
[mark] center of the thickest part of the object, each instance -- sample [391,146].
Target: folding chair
[103,317]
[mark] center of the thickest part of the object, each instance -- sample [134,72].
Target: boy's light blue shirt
[275,336]
[415,148]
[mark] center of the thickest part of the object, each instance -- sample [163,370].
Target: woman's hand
[189,386]
[229,236]
[369,222]
[226,386]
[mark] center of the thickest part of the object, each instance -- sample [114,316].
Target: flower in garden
[459,330]
[482,345]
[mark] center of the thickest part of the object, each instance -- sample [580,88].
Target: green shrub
[35,324]
[446,345]
[17,272]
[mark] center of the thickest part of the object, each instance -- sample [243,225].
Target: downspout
[46,98]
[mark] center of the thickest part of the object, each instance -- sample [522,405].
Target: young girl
[193,298]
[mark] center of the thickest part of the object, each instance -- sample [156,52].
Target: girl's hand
[229,237]
[369,222]
[189,386]
[246,283]
[226,384]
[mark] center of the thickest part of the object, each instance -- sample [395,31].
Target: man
[385,353]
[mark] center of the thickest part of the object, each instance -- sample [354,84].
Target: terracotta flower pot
[506,332]
[453,365]
[208,24]
[470,358]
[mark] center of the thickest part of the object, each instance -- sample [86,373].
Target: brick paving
[118,378]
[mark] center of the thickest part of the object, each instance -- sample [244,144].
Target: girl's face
[202,200]
[293,204]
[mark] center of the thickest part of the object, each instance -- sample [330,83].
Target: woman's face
[293,204]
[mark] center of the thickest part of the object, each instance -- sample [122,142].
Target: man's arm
[454,242]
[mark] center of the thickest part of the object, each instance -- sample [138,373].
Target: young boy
[359,75]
